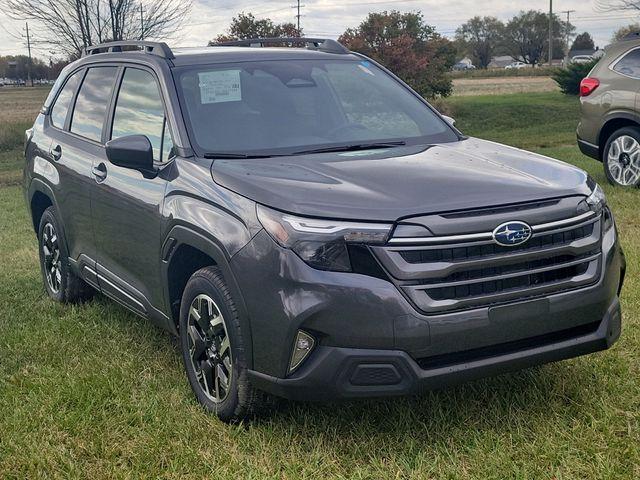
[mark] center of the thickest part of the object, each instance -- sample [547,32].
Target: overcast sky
[329,18]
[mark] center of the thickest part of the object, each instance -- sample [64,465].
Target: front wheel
[213,349]
[621,157]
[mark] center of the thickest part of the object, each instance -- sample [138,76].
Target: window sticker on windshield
[220,86]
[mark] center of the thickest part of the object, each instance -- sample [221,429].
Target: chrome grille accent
[442,274]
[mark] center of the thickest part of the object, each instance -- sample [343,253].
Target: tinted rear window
[91,104]
[629,64]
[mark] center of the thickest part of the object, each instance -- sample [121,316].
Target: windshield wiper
[352,148]
[225,155]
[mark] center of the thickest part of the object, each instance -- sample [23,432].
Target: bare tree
[68,26]
[617,5]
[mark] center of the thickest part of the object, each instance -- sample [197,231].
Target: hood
[385,185]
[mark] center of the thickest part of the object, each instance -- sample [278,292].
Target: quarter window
[139,111]
[629,64]
[91,104]
[61,107]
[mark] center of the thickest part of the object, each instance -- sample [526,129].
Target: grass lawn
[93,391]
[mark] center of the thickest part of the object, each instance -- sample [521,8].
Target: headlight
[321,243]
[597,200]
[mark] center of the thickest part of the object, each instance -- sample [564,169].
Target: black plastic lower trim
[329,373]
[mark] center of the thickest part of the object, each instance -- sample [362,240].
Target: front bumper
[340,373]
[367,332]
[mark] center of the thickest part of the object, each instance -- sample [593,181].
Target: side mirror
[450,120]
[132,151]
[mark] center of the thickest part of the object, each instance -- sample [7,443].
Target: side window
[629,64]
[92,102]
[167,143]
[61,107]
[139,111]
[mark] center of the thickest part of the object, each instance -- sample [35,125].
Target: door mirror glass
[132,151]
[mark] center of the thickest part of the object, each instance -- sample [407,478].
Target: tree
[624,31]
[481,36]
[245,25]
[526,37]
[617,5]
[68,26]
[583,42]
[406,45]
[568,79]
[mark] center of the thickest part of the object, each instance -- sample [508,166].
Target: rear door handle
[56,152]
[99,172]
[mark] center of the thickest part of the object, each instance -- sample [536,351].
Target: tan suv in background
[609,128]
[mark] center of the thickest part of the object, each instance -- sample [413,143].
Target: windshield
[288,107]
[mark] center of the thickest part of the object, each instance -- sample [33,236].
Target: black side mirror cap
[132,151]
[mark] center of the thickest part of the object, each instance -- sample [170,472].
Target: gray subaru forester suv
[309,226]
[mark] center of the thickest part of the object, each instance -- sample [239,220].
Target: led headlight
[597,200]
[321,243]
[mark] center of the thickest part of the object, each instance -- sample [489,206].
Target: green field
[93,391]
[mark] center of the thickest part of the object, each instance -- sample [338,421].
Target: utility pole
[141,23]
[566,57]
[550,32]
[29,81]
[298,7]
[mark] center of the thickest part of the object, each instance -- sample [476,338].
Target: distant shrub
[542,71]
[569,78]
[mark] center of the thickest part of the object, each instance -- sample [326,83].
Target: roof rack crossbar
[322,44]
[160,49]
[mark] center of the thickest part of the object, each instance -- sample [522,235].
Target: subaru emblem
[513,233]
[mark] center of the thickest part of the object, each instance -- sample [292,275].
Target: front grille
[461,272]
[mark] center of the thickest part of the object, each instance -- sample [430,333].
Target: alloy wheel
[52,257]
[623,160]
[209,348]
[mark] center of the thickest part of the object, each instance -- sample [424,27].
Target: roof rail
[160,49]
[322,44]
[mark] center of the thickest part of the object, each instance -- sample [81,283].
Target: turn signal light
[588,85]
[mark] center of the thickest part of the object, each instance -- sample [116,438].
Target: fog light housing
[302,347]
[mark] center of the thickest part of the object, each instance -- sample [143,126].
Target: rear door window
[92,102]
[629,64]
[140,111]
[61,107]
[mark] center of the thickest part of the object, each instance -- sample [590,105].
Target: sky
[329,18]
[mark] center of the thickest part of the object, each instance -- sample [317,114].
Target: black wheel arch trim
[613,116]
[181,235]
[38,186]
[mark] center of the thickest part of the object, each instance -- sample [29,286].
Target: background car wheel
[621,157]
[60,282]
[213,349]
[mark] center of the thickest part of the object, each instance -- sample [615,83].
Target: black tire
[611,166]
[60,282]
[241,400]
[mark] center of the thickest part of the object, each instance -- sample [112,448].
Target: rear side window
[139,111]
[91,104]
[61,107]
[629,64]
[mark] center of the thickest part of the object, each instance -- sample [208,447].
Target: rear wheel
[213,349]
[60,281]
[621,157]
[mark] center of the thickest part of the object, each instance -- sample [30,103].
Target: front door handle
[99,172]
[56,152]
